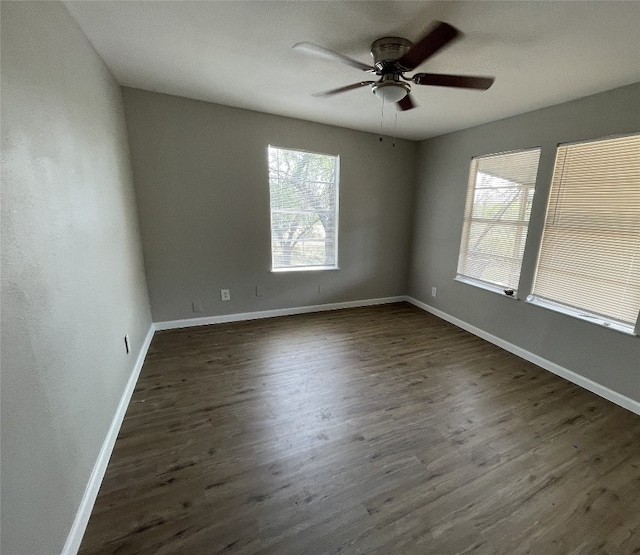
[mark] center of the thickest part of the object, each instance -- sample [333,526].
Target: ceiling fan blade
[461,81]
[344,89]
[322,52]
[406,103]
[438,37]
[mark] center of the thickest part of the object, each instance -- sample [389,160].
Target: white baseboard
[74,539]
[190,322]
[594,387]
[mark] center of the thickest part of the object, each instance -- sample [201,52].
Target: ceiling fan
[395,56]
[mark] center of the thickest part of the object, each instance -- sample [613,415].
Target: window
[589,263]
[304,209]
[496,219]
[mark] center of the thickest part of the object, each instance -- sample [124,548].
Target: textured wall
[202,186]
[72,272]
[605,356]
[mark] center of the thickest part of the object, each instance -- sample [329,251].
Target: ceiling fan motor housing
[387,50]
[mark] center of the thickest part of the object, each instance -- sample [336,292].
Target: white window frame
[336,213]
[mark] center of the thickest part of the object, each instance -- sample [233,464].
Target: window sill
[304,269]
[487,287]
[582,315]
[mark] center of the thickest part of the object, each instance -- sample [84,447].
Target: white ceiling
[239,53]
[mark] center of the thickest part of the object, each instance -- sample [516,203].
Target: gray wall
[72,272]
[202,186]
[605,356]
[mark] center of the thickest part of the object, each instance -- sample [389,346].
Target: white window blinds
[590,254]
[303,188]
[496,218]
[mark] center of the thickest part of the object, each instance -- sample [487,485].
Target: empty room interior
[320,277]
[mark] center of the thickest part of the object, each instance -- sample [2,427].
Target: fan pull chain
[381,119]
[395,129]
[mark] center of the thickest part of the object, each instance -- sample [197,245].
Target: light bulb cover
[391,91]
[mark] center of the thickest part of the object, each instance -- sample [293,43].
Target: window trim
[502,291]
[584,315]
[303,269]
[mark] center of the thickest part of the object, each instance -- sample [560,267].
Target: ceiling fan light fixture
[391,91]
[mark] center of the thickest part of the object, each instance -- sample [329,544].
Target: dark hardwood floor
[380,430]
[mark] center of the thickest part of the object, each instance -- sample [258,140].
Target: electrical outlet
[196,306]
[126,343]
[259,291]
[433,291]
[225,295]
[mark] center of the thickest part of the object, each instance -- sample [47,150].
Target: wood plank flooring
[379,430]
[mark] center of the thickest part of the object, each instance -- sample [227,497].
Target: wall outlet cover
[225,295]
